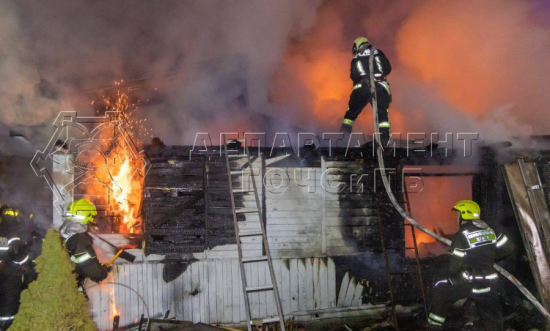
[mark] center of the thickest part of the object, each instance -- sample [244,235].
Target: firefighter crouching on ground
[474,250]
[78,242]
[361,94]
[14,236]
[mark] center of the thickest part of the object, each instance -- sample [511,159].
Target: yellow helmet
[82,211]
[469,210]
[357,43]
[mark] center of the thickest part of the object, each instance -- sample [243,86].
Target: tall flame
[127,191]
[125,180]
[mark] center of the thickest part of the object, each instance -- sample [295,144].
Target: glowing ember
[125,176]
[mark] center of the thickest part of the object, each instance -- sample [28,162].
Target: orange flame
[127,190]
[114,310]
[122,175]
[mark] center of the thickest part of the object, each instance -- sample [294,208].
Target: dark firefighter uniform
[361,94]
[82,253]
[475,248]
[13,255]
[74,232]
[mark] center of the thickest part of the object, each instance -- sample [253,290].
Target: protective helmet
[82,211]
[8,214]
[468,209]
[357,43]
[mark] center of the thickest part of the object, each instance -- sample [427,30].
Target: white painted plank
[220,291]
[143,289]
[212,299]
[160,293]
[203,294]
[235,293]
[310,284]
[284,286]
[294,213]
[239,286]
[323,285]
[343,291]
[177,297]
[248,273]
[151,289]
[195,288]
[277,265]
[350,292]
[254,297]
[262,295]
[300,246]
[293,221]
[293,204]
[294,254]
[311,227]
[294,285]
[357,296]
[160,290]
[227,297]
[306,238]
[154,286]
[187,310]
[302,280]
[296,193]
[316,283]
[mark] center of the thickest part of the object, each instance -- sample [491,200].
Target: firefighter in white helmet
[474,250]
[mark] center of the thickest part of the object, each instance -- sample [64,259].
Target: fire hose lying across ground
[380,155]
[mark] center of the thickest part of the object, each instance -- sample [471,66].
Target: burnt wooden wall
[330,209]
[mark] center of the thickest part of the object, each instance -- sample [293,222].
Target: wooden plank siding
[294,211]
[210,291]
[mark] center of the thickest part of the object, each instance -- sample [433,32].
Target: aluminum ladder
[247,169]
[389,273]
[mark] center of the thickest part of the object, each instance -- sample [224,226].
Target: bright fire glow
[125,177]
[127,189]
[114,310]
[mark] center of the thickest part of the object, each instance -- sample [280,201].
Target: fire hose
[380,156]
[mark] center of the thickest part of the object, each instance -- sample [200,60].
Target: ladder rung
[250,233]
[259,288]
[254,259]
[271,320]
[246,210]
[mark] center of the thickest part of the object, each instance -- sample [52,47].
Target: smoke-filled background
[458,66]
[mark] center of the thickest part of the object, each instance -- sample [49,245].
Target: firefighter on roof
[361,94]
[74,232]
[474,250]
[14,237]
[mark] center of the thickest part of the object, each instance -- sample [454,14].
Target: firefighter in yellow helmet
[361,94]
[15,238]
[74,232]
[474,250]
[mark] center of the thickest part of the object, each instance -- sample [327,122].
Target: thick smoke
[53,54]
[201,55]
[458,66]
